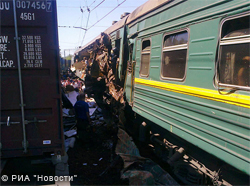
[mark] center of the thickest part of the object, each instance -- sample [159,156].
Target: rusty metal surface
[39,58]
[79,65]
[101,68]
[139,170]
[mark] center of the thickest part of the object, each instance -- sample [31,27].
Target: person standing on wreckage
[83,119]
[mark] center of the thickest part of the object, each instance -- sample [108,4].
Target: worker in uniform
[83,119]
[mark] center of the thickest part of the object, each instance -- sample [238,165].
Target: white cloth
[75,85]
[72,97]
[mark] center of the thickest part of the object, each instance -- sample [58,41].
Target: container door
[31,119]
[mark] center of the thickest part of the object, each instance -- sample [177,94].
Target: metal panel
[35,85]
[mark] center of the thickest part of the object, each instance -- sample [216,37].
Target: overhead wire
[99,19]
[81,25]
[92,3]
[106,15]
[88,19]
[86,24]
[77,20]
[94,7]
[98,5]
[71,27]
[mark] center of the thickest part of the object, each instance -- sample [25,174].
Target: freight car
[31,117]
[184,68]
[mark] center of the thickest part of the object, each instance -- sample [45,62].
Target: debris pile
[89,161]
[111,154]
[139,170]
[104,84]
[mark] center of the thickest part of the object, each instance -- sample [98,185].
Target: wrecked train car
[31,116]
[183,67]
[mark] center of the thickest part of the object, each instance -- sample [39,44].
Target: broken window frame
[172,48]
[224,41]
[130,61]
[145,51]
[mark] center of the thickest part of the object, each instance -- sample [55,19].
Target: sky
[74,13]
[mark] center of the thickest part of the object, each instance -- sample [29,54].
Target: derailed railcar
[185,70]
[31,118]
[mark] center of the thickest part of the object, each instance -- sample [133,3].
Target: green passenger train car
[187,74]
[187,71]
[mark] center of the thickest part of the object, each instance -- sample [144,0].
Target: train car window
[174,55]
[176,39]
[145,58]
[235,52]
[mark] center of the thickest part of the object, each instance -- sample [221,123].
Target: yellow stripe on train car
[234,99]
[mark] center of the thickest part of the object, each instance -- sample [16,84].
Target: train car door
[130,77]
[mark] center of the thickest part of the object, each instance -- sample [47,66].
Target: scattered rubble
[121,163]
[89,162]
[111,159]
[70,133]
[139,170]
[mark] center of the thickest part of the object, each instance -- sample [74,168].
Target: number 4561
[27,16]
